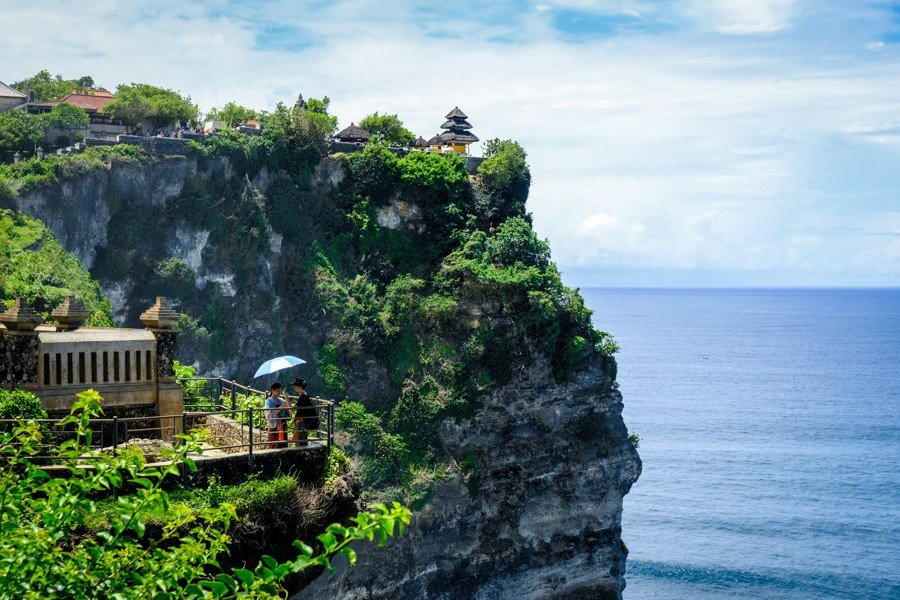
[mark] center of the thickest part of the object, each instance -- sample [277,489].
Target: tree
[139,102]
[66,116]
[320,107]
[516,242]
[388,129]
[44,551]
[20,132]
[232,114]
[52,87]
[302,133]
[506,176]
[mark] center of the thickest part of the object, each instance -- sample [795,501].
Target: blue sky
[689,142]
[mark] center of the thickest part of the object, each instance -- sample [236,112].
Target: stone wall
[159,145]
[306,464]
[228,432]
[18,358]
[10,103]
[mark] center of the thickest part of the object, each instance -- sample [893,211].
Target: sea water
[769,424]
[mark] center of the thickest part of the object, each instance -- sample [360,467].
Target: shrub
[441,173]
[516,242]
[232,114]
[19,404]
[506,176]
[329,371]
[175,278]
[34,266]
[195,392]
[375,171]
[384,454]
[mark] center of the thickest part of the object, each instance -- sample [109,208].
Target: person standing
[276,417]
[306,417]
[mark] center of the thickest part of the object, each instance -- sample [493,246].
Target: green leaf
[227,581]
[246,577]
[328,541]
[218,588]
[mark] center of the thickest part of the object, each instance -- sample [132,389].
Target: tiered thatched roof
[353,133]
[457,129]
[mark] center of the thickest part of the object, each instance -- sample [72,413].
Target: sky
[672,143]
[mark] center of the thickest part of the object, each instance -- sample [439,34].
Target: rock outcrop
[536,513]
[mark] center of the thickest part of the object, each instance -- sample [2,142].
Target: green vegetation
[52,87]
[505,175]
[635,439]
[34,266]
[66,116]
[19,177]
[232,114]
[415,281]
[20,132]
[403,298]
[19,404]
[47,546]
[195,392]
[388,129]
[140,102]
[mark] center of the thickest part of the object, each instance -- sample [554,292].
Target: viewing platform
[144,403]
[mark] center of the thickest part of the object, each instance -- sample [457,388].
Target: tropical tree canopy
[52,87]
[233,114]
[388,129]
[66,116]
[140,102]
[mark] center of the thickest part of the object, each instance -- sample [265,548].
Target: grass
[26,174]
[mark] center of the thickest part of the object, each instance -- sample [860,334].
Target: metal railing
[233,432]
[227,393]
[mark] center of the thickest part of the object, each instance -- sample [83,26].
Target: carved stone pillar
[71,314]
[161,320]
[19,346]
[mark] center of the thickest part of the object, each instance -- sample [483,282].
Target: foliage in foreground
[42,515]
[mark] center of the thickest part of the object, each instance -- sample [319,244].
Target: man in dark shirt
[306,417]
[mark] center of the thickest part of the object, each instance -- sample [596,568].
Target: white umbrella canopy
[279,363]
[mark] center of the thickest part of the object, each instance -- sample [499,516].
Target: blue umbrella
[278,364]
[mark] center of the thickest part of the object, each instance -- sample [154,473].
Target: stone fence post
[161,319]
[19,346]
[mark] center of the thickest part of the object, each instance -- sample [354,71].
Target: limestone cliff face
[78,209]
[537,516]
[534,508]
[89,213]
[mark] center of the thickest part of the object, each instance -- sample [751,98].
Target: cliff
[473,385]
[536,515]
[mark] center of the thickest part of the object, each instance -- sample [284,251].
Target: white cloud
[741,17]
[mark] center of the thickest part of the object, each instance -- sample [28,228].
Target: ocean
[769,422]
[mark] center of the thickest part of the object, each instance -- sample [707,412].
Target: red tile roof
[91,101]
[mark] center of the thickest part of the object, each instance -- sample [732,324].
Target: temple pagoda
[457,136]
